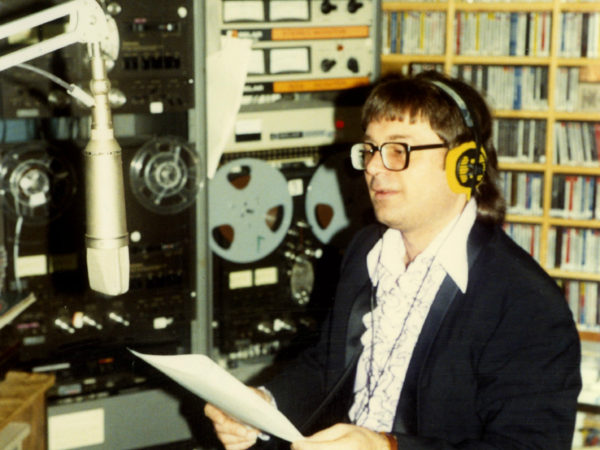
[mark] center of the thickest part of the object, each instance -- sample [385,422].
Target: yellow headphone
[467,162]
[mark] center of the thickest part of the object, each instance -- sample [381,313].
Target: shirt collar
[449,248]
[452,253]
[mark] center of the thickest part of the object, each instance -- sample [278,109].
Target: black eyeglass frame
[355,149]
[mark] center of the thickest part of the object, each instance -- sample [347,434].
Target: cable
[18,227]
[72,89]
[46,74]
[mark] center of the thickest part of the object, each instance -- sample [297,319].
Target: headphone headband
[464,110]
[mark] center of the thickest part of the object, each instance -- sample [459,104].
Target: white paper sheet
[226,72]
[208,380]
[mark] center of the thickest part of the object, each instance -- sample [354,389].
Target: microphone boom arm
[87,23]
[106,233]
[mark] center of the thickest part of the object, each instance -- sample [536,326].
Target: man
[444,333]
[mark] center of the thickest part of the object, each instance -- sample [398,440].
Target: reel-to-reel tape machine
[70,329]
[38,184]
[277,226]
[164,175]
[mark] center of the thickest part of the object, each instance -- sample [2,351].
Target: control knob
[327,6]
[327,64]
[354,5]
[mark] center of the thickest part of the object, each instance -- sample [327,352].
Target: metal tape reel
[38,183]
[250,210]
[164,175]
[325,211]
[329,213]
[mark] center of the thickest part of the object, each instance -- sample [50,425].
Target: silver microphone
[106,229]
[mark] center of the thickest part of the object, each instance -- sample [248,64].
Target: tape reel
[38,182]
[164,175]
[250,210]
[329,213]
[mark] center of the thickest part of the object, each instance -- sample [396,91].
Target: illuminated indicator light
[339,124]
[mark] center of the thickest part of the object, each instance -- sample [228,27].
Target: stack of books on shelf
[577,143]
[503,33]
[583,302]
[413,32]
[579,34]
[574,249]
[527,236]
[523,192]
[520,140]
[508,87]
[575,197]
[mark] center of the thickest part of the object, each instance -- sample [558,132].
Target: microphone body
[106,235]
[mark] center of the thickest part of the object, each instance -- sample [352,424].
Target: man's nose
[375,164]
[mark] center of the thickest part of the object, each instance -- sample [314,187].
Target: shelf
[586,335]
[572,275]
[555,169]
[501,6]
[561,61]
[574,223]
[414,6]
[471,59]
[406,59]
[464,6]
[518,218]
[521,166]
[506,6]
[581,116]
[577,170]
[579,6]
[520,114]
[501,60]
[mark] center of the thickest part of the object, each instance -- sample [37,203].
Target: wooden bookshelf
[552,115]
[590,335]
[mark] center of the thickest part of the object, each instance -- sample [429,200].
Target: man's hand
[343,437]
[233,435]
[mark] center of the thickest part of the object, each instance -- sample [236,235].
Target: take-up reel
[337,202]
[38,183]
[250,210]
[164,175]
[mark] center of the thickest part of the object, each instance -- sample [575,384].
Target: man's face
[418,198]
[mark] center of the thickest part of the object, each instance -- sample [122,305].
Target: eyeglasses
[395,155]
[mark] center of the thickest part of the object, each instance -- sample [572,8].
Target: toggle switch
[118,318]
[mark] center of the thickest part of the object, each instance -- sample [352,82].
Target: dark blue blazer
[494,368]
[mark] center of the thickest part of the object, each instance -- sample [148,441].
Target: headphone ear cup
[465,167]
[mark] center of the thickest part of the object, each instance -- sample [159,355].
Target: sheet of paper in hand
[208,380]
